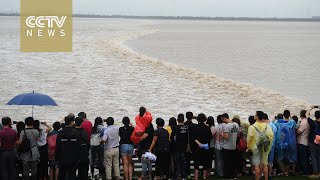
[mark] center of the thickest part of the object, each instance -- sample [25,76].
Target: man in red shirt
[86,124]
[8,139]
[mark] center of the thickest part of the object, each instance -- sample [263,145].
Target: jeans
[303,158]
[315,157]
[111,159]
[127,149]
[218,163]
[7,165]
[27,165]
[179,158]
[146,166]
[97,156]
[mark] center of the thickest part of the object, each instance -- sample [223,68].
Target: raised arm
[308,112]
[48,128]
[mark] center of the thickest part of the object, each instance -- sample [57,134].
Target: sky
[212,8]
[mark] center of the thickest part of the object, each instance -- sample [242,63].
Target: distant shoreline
[313,19]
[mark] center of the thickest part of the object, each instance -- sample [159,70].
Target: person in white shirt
[43,129]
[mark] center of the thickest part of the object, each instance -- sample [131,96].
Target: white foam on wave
[240,98]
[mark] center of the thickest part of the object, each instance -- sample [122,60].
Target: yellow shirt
[169,129]
[253,135]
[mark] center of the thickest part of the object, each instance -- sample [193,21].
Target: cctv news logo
[46,26]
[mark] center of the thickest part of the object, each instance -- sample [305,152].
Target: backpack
[95,139]
[25,145]
[242,143]
[263,140]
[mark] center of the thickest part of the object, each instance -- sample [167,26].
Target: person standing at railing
[180,144]
[97,149]
[111,149]
[201,137]
[160,145]
[8,139]
[143,147]
[126,148]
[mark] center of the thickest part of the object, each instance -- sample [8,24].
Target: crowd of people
[71,148]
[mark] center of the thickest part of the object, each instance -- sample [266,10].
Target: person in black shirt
[210,123]
[172,124]
[180,144]
[83,166]
[144,144]
[160,145]
[314,148]
[188,157]
[201,138]
[68,150]
[126,147]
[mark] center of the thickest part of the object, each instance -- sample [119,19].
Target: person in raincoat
[260,137]
[143,120]
[286,143]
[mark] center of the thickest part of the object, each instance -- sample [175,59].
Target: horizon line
[313,18]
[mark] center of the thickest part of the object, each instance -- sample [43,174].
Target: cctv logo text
[53,26]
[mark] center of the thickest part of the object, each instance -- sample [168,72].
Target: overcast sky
[235,8]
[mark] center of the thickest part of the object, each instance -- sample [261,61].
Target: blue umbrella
[33,99]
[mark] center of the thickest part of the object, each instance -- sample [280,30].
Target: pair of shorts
[259,158]
[126,149]
[53,163]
